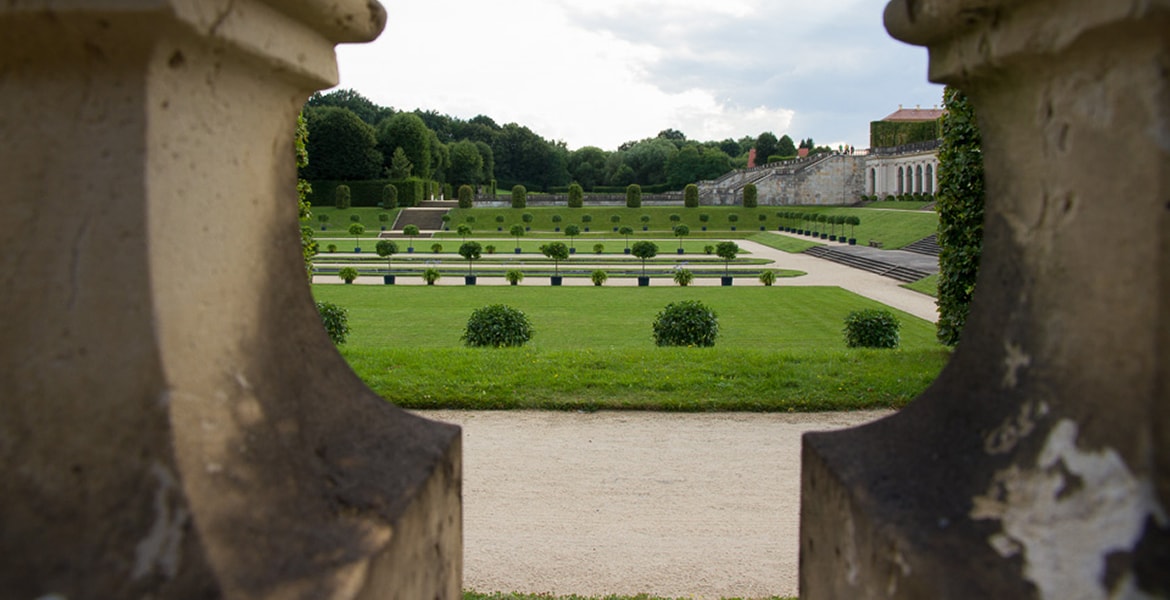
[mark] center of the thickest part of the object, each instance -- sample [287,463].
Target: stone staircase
[885,269]
[426,218]
[927,246]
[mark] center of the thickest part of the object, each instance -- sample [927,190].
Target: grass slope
[779,349]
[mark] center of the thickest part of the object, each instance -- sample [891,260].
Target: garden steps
[886,269]
[927,246]
[426,218]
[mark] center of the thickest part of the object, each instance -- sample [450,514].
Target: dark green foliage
[871,328]
[727,251]
[409,132]
[309,246]
[686,323]
[355,218]
[766,145]
[470,251]
[465,196]
[691,196]
[519,197]
[576,196]
[750,196]
[633,196]
[884,134]
[341,197]
[557,251]
[960,214]
[497,325]
[644,250]
[341,144]
[336,321]
[389,196]
[348,274]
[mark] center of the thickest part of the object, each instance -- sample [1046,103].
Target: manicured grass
[893,228]
[339,220]
[471,595]
[894,204]
[926,285]
[780,349]
[613,243]
[783,243]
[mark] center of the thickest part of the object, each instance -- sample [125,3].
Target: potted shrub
[586,220]
[683,277]
[615,219]
[598,277]
[598,248]
[383,218]
[762,218]
[517,231]
[348,274]
[681,231]
[556,219]
[675,218]
[436,248]
[331,247]
[514,276]
[727,251]
[768,278]
[852,221]
[527,218]
[489,249]
[470,251]
[386,249]
[627,231]
[557,251]
[446,222]
[431,275]
[841,220]
[645,219]
[356,230]
[323,218]
[821,220]
[572,231]
[733,219]
[499,222]
[708,249]
[703,218]
[644,249]
[410,231]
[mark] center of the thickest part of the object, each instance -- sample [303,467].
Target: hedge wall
[884,134]
[368,193]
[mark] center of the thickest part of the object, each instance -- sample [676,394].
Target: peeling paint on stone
[1003,439]
[1014,360]
[160,548]
[1068,514]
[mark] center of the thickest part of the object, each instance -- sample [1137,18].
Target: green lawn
[926,285]
[779,349]
[893,228]
[894,204]
[471,595]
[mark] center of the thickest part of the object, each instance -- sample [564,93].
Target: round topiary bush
[872,328]
[686,323]
[497,325]
[336,321]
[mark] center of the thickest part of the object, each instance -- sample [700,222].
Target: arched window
[929,179]
[901,174]
[918,180]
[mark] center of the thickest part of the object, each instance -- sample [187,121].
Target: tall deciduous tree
[786,147]
[466,164]
[341,144]
[766,145]
[407,131]
[960,213]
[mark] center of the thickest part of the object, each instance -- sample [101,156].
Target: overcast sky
[602,72]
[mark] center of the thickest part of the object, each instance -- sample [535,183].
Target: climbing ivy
[308,244]
[960,213]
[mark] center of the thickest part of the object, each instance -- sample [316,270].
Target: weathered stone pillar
[1038,465]
[174,422]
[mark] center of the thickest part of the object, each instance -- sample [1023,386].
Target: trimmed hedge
[369,192]
[885,134]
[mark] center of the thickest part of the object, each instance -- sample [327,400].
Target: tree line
[352,138]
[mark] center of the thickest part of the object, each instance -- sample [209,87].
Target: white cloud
[609,71]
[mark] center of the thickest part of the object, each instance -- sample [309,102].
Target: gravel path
[696,505]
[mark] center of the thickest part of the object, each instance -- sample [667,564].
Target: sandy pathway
[698,505]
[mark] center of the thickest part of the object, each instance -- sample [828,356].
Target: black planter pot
[348,282]
[499,228]
[643,281]
[572,250]
[527,229]
[644,228]
[733,227]
[832,238]
[680,250]
[615,229]
[725,281]
[762,228]
[358,250]
[469,279]
[430,283]
[388,280]
[557,279]
[515,283]
[824,236]
[627,251]
[516,250]
[323,228]
[556,228]
[586,229]
[410,250]
[383,228]
[852,241]
[704,228]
